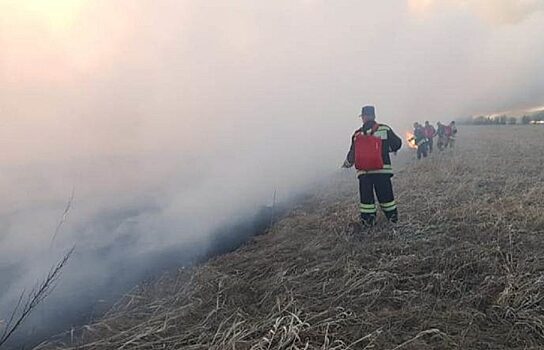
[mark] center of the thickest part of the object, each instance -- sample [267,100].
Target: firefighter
[442,138]
[452,132]
[420,140]
[378,180]
[430,133]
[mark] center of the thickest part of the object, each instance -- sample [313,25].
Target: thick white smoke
[498,12]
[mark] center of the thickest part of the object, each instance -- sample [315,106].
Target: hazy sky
[116,76]
[171,117]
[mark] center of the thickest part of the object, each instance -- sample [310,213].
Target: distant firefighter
[443,139]
[420,140]
[369,152]
[430,133]
[451,132]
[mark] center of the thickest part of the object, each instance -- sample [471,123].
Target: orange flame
[410,139]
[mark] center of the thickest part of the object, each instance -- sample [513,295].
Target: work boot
[393,217]
[368,220]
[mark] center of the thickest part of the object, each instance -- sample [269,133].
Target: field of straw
[464,269]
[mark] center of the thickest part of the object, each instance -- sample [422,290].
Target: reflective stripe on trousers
[389,206]
[367,208]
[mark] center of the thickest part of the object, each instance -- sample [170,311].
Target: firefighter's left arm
[395,142]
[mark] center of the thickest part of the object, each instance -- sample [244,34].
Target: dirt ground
[464,269]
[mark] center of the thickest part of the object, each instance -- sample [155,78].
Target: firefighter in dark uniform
[442,138]
[430,133]
[420,140]
[376,181]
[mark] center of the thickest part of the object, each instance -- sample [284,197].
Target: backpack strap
[374,128]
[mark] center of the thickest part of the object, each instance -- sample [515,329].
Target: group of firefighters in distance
[423,137]
[369,152]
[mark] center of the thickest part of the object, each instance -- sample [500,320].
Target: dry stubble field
[463,270]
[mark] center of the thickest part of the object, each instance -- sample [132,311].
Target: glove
[347,164]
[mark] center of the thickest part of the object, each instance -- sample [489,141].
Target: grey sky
[128,76]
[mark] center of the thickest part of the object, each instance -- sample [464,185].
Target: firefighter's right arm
[395,142]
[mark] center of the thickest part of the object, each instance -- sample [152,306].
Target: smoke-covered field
[462,270]
[152,134]
[128,221]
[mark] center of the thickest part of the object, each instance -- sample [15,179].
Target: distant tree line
[504,119]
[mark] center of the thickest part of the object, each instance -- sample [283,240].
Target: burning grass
[463,270]
[409,140]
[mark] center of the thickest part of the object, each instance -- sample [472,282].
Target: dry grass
[464,269]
